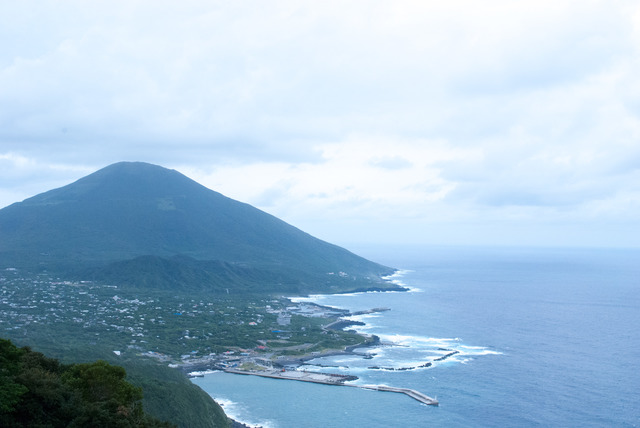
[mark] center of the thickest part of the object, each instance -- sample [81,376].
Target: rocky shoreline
[289,368]
[425,365]
[349,350]
[297,361]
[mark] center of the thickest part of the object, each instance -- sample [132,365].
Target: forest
[39,391]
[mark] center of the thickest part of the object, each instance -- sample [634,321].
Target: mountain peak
[134,170]
[124,179]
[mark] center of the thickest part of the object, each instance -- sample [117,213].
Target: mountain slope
[132,209]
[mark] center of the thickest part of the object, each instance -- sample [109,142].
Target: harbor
[416,395]
[334,379]
[277,365]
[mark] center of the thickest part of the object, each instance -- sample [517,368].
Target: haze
[462,122]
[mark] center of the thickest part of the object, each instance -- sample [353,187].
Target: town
[193,331]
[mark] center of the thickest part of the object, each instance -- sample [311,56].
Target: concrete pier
[334,379]
[324,378]
[416,395]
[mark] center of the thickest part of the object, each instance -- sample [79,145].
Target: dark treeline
[39,391]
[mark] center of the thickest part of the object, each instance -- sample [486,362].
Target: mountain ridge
[130,210]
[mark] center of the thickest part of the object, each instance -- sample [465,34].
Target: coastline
[339,324]
[336,380]
[289,368]
[496,375]
[294,363]
[196,369]
[302,360]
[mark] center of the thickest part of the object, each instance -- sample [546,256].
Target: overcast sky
[427,122]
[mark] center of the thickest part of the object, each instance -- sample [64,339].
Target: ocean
[543,337]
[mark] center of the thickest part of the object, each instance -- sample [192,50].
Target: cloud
[210,74]
[22,177]
[391,162]
[419,111]
[362,176]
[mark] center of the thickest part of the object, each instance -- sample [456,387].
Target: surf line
[333,379]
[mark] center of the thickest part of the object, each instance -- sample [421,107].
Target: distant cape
[147,226]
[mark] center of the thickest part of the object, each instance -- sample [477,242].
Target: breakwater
[300,375]
[416,395]
[334,379]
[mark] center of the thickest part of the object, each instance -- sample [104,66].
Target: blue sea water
[545,337]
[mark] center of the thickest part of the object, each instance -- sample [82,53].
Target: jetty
[333,379]
[299,375]
[416,395]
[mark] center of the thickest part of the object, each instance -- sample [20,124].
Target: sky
[371,122]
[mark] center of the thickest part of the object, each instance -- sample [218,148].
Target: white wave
[440,345]
[483,352]
[312,298]
[402,351]
[363,317]
[408,340]
[477,350]
[202,373]
[472,348]
[408,352]
[352,294]
[397,274]
[227,404]
[359,370]
[341,361]
[321,368]
[235,411]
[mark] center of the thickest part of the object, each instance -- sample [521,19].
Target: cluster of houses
[29,302]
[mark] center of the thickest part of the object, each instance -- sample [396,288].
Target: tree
[10,391]
[39,391]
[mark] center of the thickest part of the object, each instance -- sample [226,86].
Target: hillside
[39,391]
[139,223]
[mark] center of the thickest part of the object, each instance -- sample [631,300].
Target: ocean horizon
[533,337]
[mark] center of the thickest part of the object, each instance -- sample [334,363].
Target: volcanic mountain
[143,225]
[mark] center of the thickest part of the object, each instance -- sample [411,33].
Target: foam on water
[397,352]
[394,278]
[402,353]
[362,318]
[312,298]
[531,331]
[240,413]
[202,373]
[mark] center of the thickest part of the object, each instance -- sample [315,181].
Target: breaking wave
[238,412]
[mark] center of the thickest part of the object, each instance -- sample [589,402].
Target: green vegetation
[146,330]
[39,391]
[144,226]
[186,274]
[55,316]
[140,266]
[169,395]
